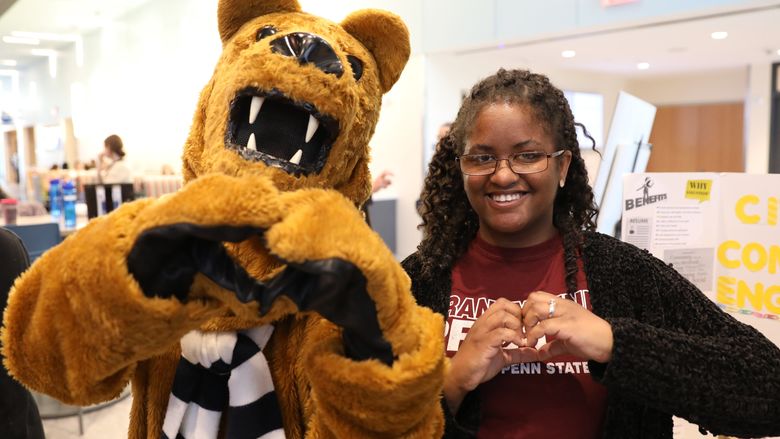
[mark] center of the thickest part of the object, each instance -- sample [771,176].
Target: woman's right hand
[483,353]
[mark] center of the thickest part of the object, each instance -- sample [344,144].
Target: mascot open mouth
[272,128]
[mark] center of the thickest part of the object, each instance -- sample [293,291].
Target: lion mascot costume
[256,301]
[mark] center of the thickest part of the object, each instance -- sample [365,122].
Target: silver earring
[562,183]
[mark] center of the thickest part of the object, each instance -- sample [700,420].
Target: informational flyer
[675,217]
[719,230]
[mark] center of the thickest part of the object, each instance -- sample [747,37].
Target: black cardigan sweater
[19,418]
[675,352]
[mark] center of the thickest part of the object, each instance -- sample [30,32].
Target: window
[588,109]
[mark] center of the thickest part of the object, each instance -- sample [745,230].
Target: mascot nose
[308,48]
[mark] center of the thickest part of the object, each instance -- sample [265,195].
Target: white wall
[692,88]
[397,147]
[750,85]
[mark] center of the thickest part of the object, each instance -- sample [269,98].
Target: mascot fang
[255,302]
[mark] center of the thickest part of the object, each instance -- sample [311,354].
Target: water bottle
[55,198]
[69,198]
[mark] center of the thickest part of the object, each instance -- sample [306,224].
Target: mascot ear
[232,14]
[386,37]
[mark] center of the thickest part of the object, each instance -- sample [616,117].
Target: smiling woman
[548,320]
[514,202]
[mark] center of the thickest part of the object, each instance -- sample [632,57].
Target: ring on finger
[551,308]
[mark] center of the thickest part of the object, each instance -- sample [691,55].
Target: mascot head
[295,97]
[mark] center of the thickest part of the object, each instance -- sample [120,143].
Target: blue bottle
[55,198]
[69,204]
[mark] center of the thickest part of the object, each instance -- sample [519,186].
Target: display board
[623,151]
[719,230]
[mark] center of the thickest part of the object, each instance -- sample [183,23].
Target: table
[81,221]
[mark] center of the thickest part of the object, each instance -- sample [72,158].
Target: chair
[103,198]
[37,238]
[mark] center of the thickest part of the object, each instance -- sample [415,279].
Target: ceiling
[54,16]
[671,46]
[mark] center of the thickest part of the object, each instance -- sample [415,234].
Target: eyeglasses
[528,162]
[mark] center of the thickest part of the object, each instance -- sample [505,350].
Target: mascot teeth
[252,143]
[312,128]
[271,128]
[257,103]
[297,157]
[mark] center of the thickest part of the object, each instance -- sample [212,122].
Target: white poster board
[631,124]
[719,230]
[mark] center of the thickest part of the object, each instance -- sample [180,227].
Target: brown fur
[79,327]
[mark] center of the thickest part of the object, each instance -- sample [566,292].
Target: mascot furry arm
[265,232]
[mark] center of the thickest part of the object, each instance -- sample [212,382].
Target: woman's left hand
[574,329]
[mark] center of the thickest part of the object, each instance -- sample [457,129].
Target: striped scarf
[218,370]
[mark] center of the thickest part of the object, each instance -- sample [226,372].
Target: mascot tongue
[273,129]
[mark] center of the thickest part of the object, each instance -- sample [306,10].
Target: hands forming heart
[507,334]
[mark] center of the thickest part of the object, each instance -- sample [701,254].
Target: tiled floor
[105,423]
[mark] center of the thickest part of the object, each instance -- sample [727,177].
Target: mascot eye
[357,67]
[265,31]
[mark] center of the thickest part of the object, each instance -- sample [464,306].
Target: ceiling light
[44,52]
[21,40]
[778,51]
[568,54]
[720,35]
[643,65]
[8,62]
[45,36]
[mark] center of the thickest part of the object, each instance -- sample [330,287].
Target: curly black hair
[450,223]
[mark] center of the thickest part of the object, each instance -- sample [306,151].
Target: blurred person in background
[110,164]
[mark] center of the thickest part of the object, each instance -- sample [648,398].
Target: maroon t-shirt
[553,399]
